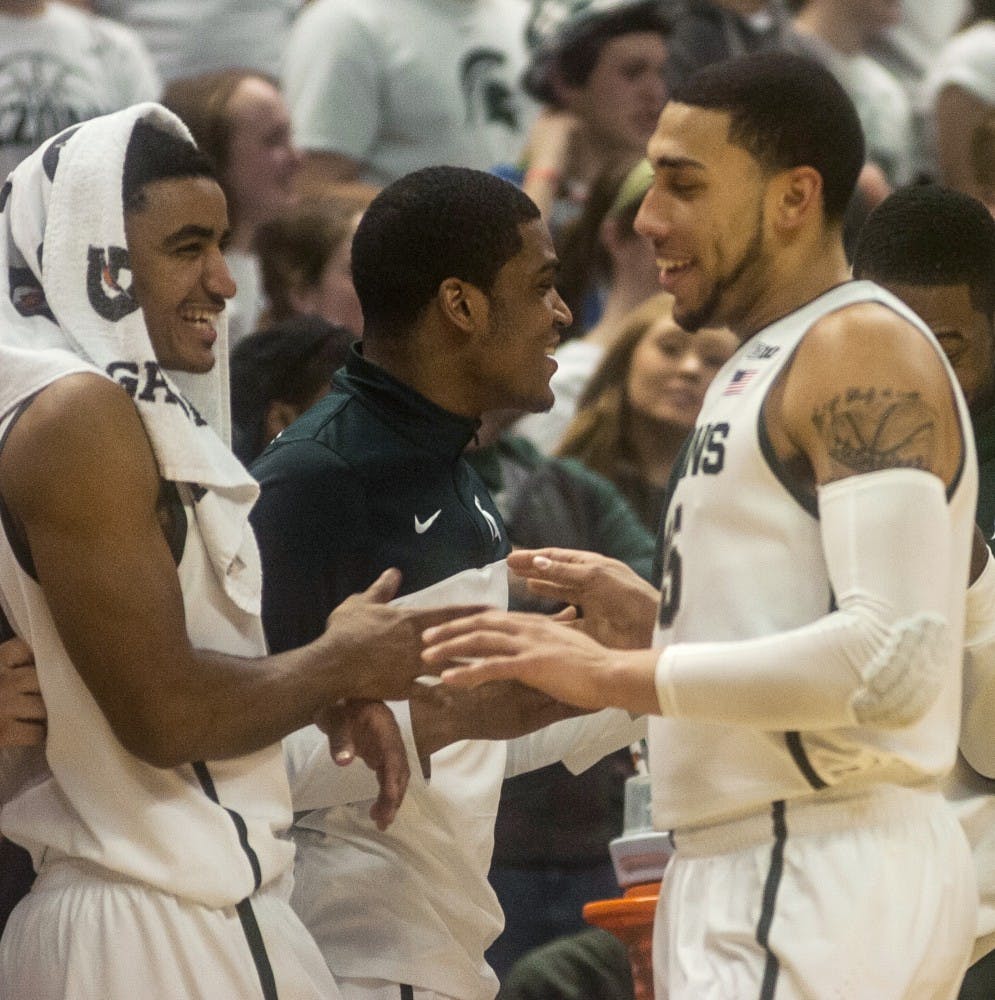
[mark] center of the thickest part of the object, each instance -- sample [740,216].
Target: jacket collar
[423,422]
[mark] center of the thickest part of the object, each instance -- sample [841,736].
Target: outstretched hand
[617,607]
[543,653]
[368,730]
[22,711]
[378,645]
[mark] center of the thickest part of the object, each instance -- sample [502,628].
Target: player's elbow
[905,674]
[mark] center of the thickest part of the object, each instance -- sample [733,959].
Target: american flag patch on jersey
[739,381]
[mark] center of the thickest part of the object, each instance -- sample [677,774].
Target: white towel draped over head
[68,307]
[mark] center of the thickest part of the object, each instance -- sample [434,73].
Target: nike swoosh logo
[422,526]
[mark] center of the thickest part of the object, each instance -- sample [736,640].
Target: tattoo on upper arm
[868,429]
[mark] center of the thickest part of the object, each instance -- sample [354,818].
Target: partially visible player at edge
[128,565]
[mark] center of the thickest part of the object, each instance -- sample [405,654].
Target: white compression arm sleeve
[977,737]
[878,660]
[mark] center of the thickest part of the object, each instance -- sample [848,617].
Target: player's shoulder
[80,436]
[79,404]
[866,344]
[324,449]
[871,331]
[853,318]
[319,430]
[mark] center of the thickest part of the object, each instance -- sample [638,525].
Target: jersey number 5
[670,585]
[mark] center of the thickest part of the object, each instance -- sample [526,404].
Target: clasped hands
[572,656]
[482,656]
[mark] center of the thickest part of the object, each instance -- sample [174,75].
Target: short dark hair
[787,111]
[979,10]
[929,235]
[433,224]
[287,362]
[156,155]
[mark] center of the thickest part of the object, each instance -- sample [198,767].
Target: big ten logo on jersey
[706,452]
[147,383]
[761,351]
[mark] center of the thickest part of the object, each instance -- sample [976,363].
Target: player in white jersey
[128,565]
[935,249]
[805,675]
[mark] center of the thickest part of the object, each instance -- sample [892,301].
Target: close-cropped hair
[289,362]
[430,225]
[154,155]
[786,111]
[598,434]
[930,235]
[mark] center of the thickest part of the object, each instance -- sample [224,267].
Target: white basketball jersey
[210,831]
[743,558]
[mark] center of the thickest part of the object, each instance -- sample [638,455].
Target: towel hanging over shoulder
[69,308]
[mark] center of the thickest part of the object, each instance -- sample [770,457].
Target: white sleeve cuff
[663,682]
[317,782]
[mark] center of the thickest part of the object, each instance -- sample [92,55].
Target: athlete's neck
[420,371]
[792,280]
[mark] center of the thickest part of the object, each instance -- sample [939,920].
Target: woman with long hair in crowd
[239,119]
[642,402]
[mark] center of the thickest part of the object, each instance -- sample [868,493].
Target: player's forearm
[432,725]
[814,677]
[630,682]
[501,710]
[226,706]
